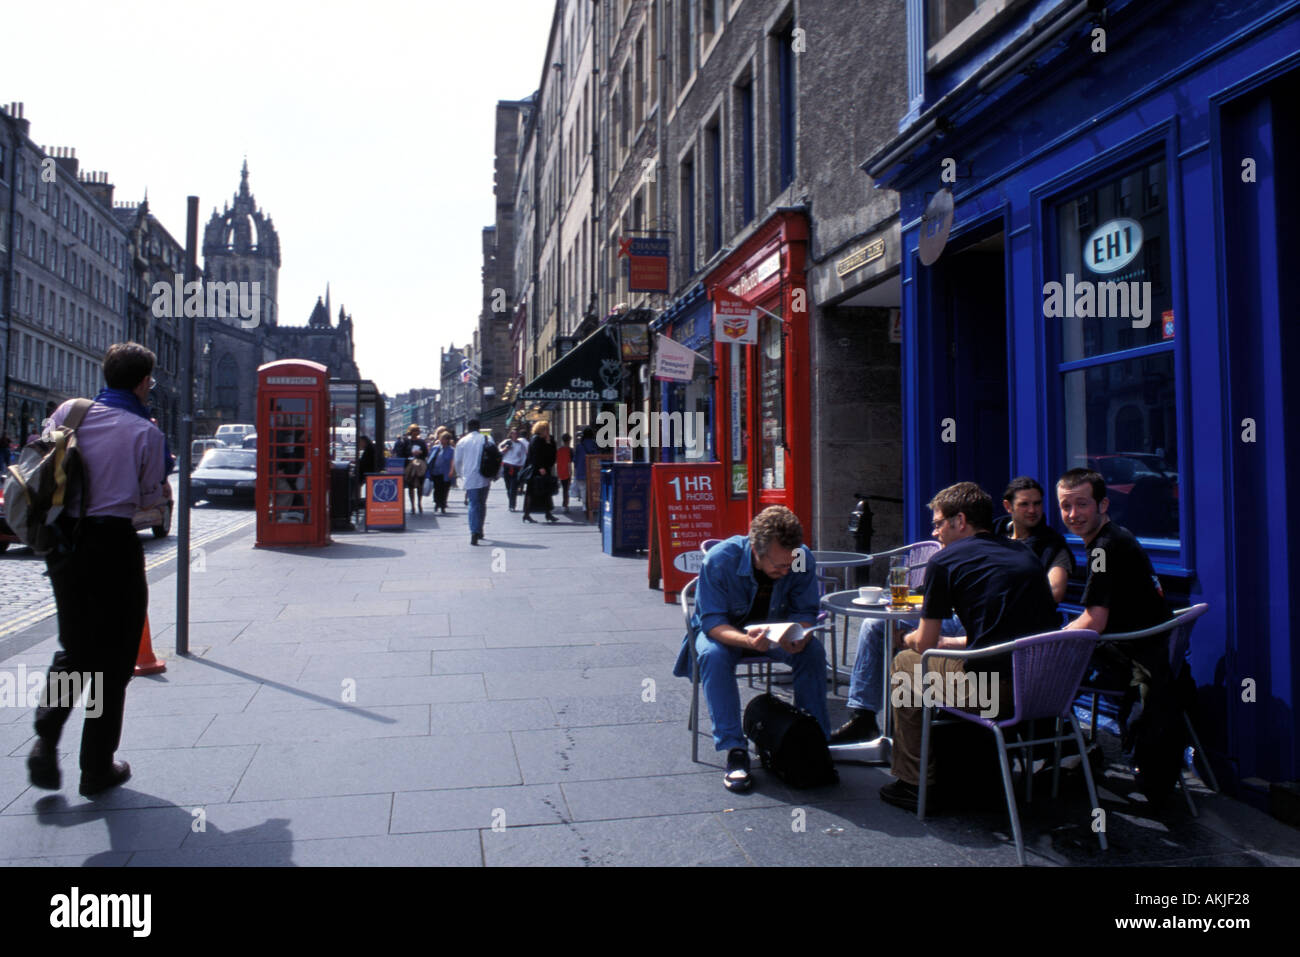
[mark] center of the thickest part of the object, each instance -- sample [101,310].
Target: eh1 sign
[1113,245]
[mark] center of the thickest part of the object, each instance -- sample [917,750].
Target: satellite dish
[935,225]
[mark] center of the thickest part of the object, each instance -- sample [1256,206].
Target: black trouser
[511,473]
[102,597]
[440,489]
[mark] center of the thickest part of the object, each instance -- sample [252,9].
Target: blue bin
[625,507]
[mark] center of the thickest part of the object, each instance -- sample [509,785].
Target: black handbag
[790,743]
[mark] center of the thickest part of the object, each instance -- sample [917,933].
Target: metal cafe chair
[692,722]
[1179,630]
[1046,671]
[918,555]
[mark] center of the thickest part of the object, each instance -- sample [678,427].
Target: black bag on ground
[790,743]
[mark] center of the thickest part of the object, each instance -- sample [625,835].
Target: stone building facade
[66,274]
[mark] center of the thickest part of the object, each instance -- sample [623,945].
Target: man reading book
[767,576]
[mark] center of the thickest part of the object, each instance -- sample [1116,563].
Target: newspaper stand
[293,468]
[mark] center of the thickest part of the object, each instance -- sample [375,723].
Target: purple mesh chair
[1179,630]
[1046,671]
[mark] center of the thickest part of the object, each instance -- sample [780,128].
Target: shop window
[1112,304]
[771,376]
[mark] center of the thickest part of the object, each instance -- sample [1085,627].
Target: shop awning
[590,372]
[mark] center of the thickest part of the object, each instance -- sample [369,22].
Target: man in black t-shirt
[999,592]
[1122,593]
[1024,523]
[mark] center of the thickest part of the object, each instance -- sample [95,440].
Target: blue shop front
[1111,294]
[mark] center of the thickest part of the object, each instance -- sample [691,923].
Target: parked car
[250,441]
[158,519]
[233,433]
[199,446]
[1143,492]
[226,476]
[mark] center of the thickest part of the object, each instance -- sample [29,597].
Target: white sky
[368,127]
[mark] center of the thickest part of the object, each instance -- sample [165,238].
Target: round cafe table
[841,562]
[843,603]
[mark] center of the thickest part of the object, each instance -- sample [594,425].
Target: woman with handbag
[540,467]
[416,452]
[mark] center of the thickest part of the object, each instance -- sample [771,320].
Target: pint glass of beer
[898,572]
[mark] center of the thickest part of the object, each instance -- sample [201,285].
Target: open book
[784,633]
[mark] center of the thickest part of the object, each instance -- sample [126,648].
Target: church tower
[241,245]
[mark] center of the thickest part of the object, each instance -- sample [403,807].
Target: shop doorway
[965,356]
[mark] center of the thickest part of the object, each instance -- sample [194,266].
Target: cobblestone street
[25,595]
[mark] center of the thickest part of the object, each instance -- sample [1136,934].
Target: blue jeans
[477,508]
[867,683]
[718,679]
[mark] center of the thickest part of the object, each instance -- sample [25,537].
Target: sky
[368,129]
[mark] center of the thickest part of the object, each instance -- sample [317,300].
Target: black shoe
[901,795]
[552,519]
[474,538]
[92,784]
[529,518]
[43,766]
[738,778]
[861,727]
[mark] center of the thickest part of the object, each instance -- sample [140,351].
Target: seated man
[765,577]
[1024,523]
[1122,593]
[999,592]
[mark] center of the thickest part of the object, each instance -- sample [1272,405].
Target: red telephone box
[292,454]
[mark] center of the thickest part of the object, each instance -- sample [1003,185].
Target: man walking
[469,453]
[514,452]
[100,587]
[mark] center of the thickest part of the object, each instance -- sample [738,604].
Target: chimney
[97,185]
[15,111]
[66,158]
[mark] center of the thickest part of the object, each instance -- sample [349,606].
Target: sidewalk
[404,698]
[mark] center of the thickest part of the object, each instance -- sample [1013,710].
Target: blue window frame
[1108,299]
[747,160]
[785,104]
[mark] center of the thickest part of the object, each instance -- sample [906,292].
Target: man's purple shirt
[124,459]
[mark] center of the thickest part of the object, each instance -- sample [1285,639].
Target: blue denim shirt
[727,588]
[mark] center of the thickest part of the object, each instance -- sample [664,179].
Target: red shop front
[762,397]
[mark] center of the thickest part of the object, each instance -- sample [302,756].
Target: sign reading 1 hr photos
[687,502]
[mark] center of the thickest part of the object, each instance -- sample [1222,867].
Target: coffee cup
[870,594]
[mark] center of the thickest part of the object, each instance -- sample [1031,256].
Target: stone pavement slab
[409,699]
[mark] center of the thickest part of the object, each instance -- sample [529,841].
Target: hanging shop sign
[647,263]
[734,319]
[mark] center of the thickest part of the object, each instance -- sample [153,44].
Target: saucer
[883,600]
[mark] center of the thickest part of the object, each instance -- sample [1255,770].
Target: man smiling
[1024,522]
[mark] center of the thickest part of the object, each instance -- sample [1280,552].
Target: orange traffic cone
[145,662]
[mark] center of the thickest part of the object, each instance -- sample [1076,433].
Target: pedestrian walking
[514,452]
[367,458]
[469,454]
[4,450]
[540,468]
[586,447]
[416,452]
[564,466]
[99,582]
[442,470]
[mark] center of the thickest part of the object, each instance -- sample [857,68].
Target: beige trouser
[908,713]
